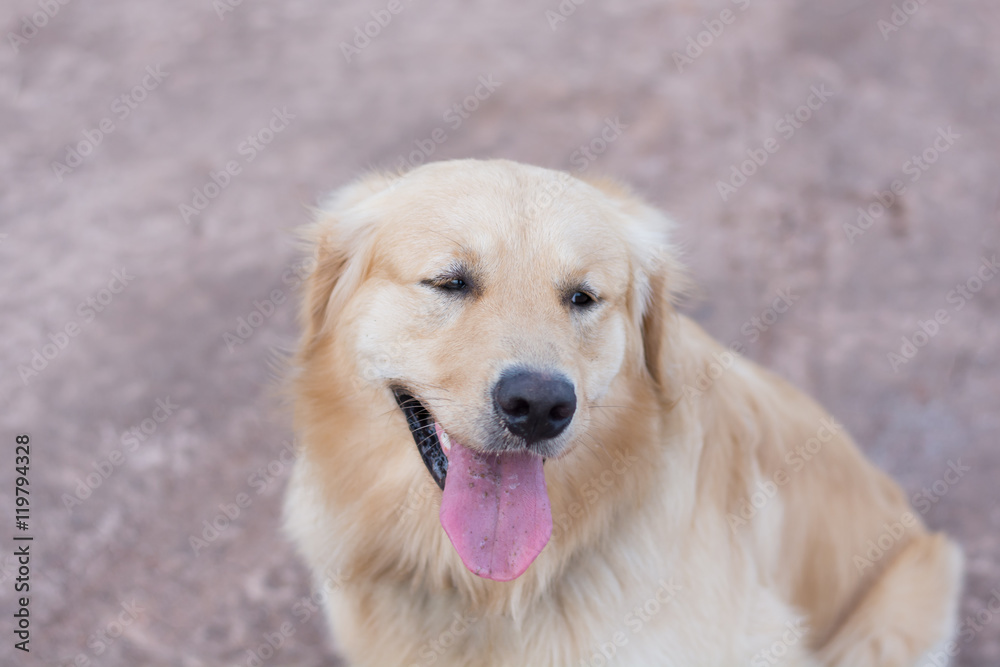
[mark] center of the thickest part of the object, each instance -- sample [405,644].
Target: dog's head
[499,305]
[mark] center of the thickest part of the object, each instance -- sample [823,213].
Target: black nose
[534,405]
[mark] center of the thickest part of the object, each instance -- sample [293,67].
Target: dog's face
[496,303]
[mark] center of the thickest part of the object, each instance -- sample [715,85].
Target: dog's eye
[581,299]
[449,282]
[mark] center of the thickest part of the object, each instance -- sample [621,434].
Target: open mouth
[494,507]
[421,424]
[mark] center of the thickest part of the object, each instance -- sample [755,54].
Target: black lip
[421,424]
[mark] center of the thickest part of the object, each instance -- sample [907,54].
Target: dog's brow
[461,260]
[456,268]
[577,283]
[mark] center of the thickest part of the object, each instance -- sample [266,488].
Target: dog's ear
[658,279]
[652,320]
[341,252]
[658,276]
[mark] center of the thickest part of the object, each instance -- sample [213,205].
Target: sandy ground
[183,86]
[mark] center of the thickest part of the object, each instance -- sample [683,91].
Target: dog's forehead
[536,216]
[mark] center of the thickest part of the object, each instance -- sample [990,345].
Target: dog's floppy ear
[658,279]
[341,252]
[658,276]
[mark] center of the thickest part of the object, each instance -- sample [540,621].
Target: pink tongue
[496,511]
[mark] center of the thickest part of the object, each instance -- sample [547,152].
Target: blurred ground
[215,77]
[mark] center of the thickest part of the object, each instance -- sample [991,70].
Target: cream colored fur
[705,512]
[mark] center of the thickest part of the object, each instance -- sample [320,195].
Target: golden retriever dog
[515,451]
